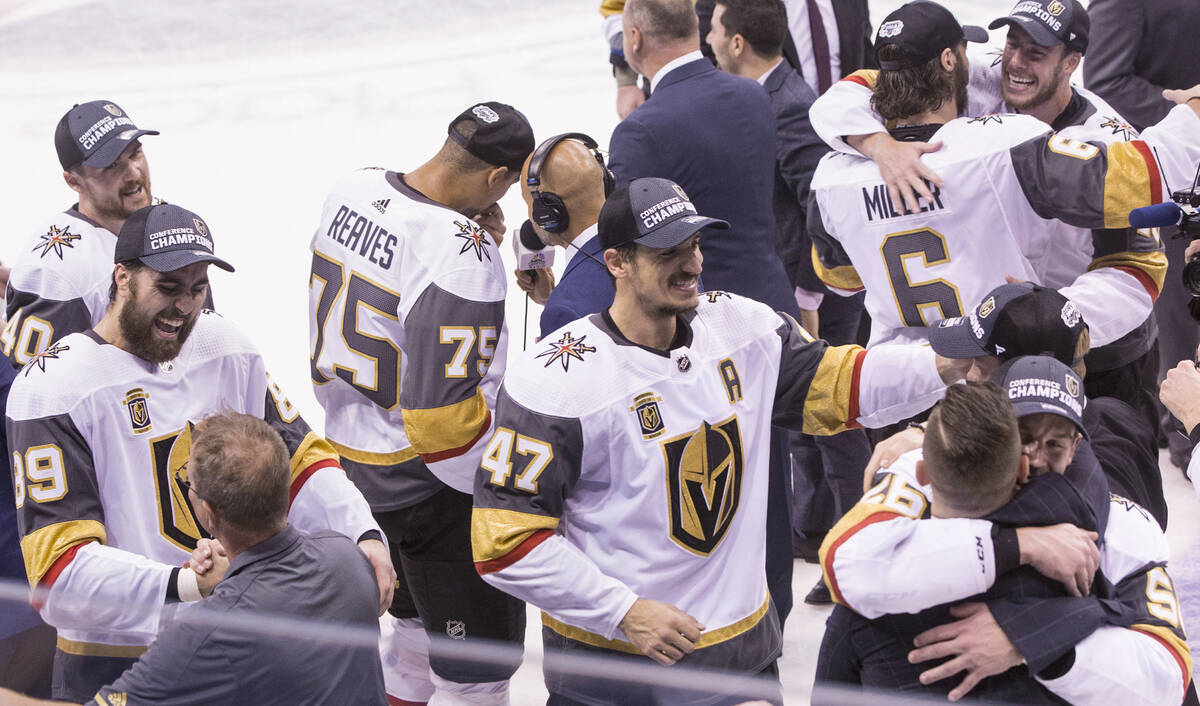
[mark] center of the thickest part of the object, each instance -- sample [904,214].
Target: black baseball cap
[922,30]
[503,137]
[165,238]
[94,134]
[1038,384]
[1014,320]
[653,212]
[1050,22]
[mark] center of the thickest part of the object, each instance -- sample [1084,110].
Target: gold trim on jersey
[1154,264]
[827,406]
[495,532]
[42,547]
[842,277]
[707,639]
[312,450]
[1126,184]
[864,77]
[96,649]
[1172,639]
[445,428]
[372,458]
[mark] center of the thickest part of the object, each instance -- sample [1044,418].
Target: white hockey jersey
[407,338]
[1005,175]
[58,285]
[617,472]
[99,439]
[879,560]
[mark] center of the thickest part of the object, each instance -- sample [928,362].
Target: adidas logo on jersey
[381,205]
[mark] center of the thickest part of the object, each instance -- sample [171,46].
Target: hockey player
[408,347]
[59,282]
[632,511]
[1129,647]
[99,426]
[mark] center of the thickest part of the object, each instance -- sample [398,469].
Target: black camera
[1188,201]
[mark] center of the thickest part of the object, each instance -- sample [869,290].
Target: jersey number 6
[912,297]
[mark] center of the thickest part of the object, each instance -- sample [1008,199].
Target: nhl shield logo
[139,411]
[704,484]
[1055,8]
[645,407]
[1072,386]
[456,629]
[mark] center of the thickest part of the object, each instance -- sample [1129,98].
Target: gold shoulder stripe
[859,516]
[495,533]
[96,649]
[842,277]
[312,449]
[1127,183]
[832,393]
[611,7]
[371,458]
[42,547]
[708,638]
[443,428]
[864,77]
[1177,646]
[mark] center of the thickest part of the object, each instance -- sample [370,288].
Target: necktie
[820,44]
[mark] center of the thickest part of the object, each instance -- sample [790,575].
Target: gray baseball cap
[94,134]
[653,212]
[165,238]
[1039,384]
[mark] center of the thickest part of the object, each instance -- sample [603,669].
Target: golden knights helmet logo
[139,411]
[704,484]
[645,406]
[177,519]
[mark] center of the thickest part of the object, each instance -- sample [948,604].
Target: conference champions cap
[1050,22]
[165,238]
[1042,385]
[653,212]
[922,30]
[94,134]
[1014,320]
[502,138]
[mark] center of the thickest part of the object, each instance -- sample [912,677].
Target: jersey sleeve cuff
[1006,549]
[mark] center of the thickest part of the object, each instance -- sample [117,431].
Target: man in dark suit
[713,134]
[748,37]
[572,173]
[1138,48]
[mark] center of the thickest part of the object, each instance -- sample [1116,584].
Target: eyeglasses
[185,483]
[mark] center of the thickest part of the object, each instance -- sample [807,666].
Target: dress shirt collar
[762,80]
[672,65]
[581,241]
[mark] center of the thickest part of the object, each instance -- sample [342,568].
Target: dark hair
[457,156]
[134,266]
[664,19]
[903,92]
[240,466]
[762,23]
[973,447]
[627,252]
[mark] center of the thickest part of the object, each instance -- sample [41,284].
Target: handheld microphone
[531,252]
[1159,215]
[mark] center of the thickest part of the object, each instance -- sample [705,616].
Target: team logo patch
[566,349]
[704,484]
[139,411]
[1070,315]
[119,698]
[456,629]
[55,240]
[985,119]
[51,353]
[1055,8]
[201,228]
[112,109]
[1072,386]
[645,407]
[679,190]
[987,307]
[475,240]
[714,296]
[1120,127]
[890,29]
[485,114]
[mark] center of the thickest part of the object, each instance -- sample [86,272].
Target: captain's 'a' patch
[704,484]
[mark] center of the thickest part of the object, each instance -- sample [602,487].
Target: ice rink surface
[262,104]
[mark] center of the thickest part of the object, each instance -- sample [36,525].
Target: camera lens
[1191,275]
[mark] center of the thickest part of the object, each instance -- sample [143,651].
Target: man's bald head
[570,171]
[664,21]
